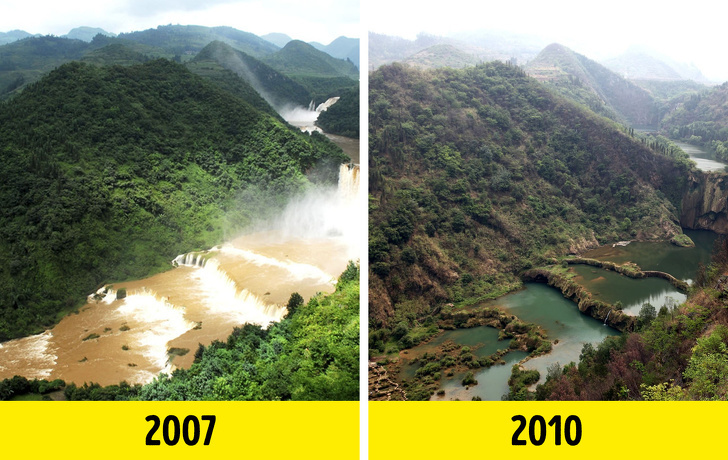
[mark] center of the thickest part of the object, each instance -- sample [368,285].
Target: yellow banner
[270,430]
[545,430]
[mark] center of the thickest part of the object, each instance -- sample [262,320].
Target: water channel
[546,306]
[704,160]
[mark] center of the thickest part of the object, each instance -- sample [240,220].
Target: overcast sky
[309,20]
[688,31]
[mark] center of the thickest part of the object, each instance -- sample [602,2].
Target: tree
[294,302]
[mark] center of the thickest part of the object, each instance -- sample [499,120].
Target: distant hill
[483,45]
[182,40]
[664,90]
[277,39]
[385,49]
[442,55]
[277,89]
[15,35]
[115,54]
[299,58]
[344,48]
[639,63]
[87,33]
[593,85]
[27,60]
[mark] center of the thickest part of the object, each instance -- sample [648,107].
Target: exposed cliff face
[705,202]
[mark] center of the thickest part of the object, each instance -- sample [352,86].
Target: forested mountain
[442,55]
[593,85]
[26,60]
[109,172]
[478,174]
[322,75]
[298,58]
[701,119]
[182,40]
[14,35]
[276,88]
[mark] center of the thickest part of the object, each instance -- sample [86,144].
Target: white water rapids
[246,280]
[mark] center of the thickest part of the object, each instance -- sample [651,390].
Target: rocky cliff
[705,202]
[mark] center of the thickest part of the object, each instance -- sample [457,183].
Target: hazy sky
[310,20]
[688,31]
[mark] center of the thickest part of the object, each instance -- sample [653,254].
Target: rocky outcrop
[705,202]
[583,299]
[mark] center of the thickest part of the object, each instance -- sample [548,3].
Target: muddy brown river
[157,327]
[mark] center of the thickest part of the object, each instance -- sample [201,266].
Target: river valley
[158,325]
[565,325]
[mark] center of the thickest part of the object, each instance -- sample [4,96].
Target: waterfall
[605,319]
[312,106]
[223,296]
[324,106]
[191,259]
[348,188]
[324,212]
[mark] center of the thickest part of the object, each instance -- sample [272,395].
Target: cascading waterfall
[225,297]
[326,213]
[607,317]
[164,321]
[305,117]
[191,259]
[34,352]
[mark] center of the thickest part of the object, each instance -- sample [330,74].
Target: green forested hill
[109,172]
[180,40]
[276,88]
[322,75]
[701,119]
[480,173]
[298,58]
[26,60]
[593,85]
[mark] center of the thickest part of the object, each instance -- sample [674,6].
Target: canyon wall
[705,202]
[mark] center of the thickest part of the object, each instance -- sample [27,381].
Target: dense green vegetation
[478,174]
[312,354]
[298,58]
[277,88]
[701,119]
[189,39]
[107,173]
[27,60]
[342,118]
